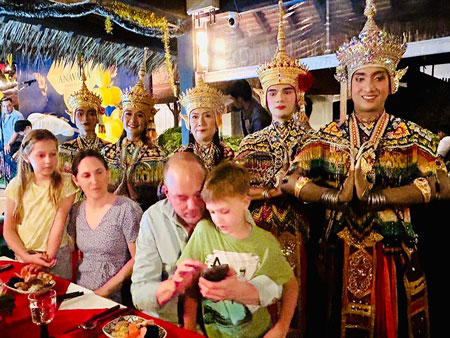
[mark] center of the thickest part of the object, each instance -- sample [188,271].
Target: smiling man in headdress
[367,169]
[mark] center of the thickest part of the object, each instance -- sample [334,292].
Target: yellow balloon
[114,129]
[115,95]
[104,93]
[102,78]
[115,115]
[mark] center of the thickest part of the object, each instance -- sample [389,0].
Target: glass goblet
[43,308]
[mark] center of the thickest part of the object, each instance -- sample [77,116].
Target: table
[70,313]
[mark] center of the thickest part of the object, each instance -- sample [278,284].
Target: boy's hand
[231,288]
[222,290]
[186,274]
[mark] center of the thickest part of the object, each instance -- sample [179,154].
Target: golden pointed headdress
[282,69]
[86,99]
[203,96]
[138,97]
[372,47]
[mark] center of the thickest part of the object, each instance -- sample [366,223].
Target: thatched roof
[35,44]
[37,30]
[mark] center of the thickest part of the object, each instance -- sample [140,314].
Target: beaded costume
[136,168]
[211,154]
[86,99]
[369,258]
[267,154]
[203,96]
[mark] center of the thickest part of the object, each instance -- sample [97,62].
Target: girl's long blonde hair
[25,171]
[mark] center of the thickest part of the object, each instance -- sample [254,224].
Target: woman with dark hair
[105,227]
[204,108]
[136,163]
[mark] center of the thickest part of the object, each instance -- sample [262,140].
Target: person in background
[22,128]
[164,231]
[37,203]
[253,116]
[9,136]
[136,163]
[86,112]
[204,108]
[56,124]
[105,227]
[234,306]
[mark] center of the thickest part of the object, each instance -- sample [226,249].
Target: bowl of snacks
[133,327]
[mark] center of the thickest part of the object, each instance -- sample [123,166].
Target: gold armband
[376,200]
[330,198]
[299,184]
[422,184]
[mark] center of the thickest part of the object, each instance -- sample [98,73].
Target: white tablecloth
[87,301]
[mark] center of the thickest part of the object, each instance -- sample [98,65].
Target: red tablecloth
[19,324]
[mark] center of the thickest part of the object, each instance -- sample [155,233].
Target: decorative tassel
[101,129]
[305,81]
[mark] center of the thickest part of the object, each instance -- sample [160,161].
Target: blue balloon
[109,110]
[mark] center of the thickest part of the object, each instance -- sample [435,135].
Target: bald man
[164,231]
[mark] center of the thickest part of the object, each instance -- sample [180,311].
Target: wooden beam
[262,22]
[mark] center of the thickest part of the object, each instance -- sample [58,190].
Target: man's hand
[277,332]
[7,149]
[288,184]
[362,186]
[231,288]
[346,193]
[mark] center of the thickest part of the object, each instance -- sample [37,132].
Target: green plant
[232,142]
[170,140]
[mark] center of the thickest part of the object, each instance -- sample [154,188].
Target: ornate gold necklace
[88,142]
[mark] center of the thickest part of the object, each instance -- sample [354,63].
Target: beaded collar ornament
[371,48]
[138,97]
[283,70]
[86,99]
[203,96]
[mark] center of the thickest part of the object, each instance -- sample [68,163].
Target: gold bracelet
[299,184]
[422,184]
[265,194]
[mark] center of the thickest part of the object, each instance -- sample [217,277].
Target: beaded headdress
[372,47]
[138,97]
[283,70]
[203,96]
[86,99]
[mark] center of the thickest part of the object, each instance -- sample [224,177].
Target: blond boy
[236,306]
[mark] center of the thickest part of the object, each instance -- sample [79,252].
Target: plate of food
[133,327]
[28,282]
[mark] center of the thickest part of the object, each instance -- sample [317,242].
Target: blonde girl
[38,201]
